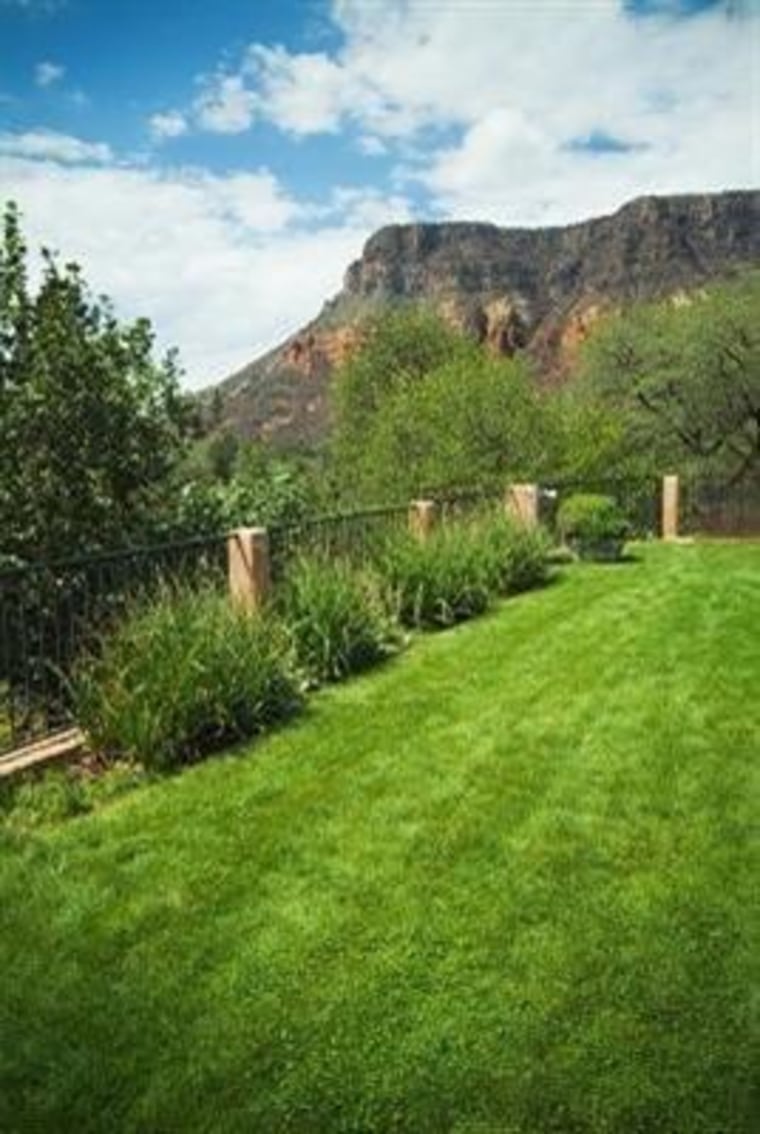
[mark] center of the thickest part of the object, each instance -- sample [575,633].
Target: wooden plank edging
[51,749]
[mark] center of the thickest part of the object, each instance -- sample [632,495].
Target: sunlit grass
[504,884]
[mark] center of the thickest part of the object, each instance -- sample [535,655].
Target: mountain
[538,290]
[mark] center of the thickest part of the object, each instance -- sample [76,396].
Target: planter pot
[599,550]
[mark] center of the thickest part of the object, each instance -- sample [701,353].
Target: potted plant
[593,526]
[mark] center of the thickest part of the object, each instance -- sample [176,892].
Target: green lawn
[504,884]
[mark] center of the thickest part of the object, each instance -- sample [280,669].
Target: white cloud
[680,94]
[225,106]
[518,83]
[303,94]
[170,124]
[367,208]
[46,73]
[371,146]
[49,145]
[254,201]
[225,267]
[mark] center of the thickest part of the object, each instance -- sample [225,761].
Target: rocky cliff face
[538,290]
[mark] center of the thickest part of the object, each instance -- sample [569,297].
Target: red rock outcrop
[534,290]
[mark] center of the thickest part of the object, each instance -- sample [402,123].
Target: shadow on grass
[625,560]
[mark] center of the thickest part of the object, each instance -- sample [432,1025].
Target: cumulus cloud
[49,145]
[303,94]
[226,105]
[170,124]
[523,87]
[678,98]
[46,73]
[224,266]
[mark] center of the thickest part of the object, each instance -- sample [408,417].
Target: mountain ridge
[517,289]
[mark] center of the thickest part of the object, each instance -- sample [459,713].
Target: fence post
[423,516]
[670,504]
[521,503]
[249,570]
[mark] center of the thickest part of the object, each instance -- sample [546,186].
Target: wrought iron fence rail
[147,551]
[350,535]
[50,613]
[721,509]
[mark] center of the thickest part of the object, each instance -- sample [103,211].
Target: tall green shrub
[91,423]
[183,676]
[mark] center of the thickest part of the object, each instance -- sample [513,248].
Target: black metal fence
[639,499]
[354,536]
[719,509]
[50,613]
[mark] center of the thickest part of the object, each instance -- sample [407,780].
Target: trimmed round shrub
[183,676]
[335,618]
[593,525]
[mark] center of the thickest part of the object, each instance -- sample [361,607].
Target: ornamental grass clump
[182,676]
[517,556]
[438,582]
[335,618]
[458,571]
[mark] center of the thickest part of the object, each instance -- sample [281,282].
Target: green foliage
[438,582]
[684,377]
[90,424]
[422,407]
[183,676]
[592,438]
[459,570]
[399,346]
[55,796]
[517,557]
[64,793]
[594,524]
[336,619]
[225,483]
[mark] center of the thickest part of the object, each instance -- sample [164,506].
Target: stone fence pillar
[670,507]
[248,565]
[423,517]
[521,503]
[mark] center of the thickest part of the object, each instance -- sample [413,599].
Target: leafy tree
[423,408]
[399,348]
[225,483]
[210,459]
[685,376]
[90,424]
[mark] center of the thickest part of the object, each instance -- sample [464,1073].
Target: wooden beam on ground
[60,746]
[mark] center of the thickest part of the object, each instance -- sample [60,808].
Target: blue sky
[216,166]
